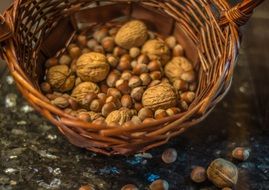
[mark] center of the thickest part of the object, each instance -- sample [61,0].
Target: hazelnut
[73,103]
[193,86]
[154,83]
[181,85]
[188,97]
[114,100]
[86,187]
[126,75]
[151,35]
[85,50]
[160,114]
[140,68]
[82,40]
[102,97]
[138,106]
[51,62]
[114,125]
[134,52]
[165,80]
[100,122]
[123,87]
[65,60]
[126,101]
[178,51]
[132,34]
[45,87]
[99,35]
[114,92]
[125,63]
[112,78]
[134,63]
[188,76]
[183,105]
[154,65]
[96,105]
[60,102]
[73,66]
[169,155]
[84,116]
[143,59]
[145,79]
[171,42]
[198,174]
[83,89]
[173,111]
[60,78]
[113,61]
[108,108]
[137,93]
[108,44]
[129,187]
[149,120]
[159,185]
[156,49]
[156,75]
[103,87]
[161,96]
[113,31]
[51,96]
[118,51]
[99,49]
[134,82]
[92,43]
[136,120]
[68,110]
[145,113]
[222,173]
[74,52]
[226,188]
[120,116]
[241,153]
[175,70]
[92,67]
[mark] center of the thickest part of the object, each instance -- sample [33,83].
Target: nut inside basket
[85,27]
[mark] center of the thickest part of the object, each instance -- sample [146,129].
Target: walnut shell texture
[133,34]
[120,116]
[176,67]
[92,67]
[161,96]
[222,173]
[61,78]
[80,91]
[157,49]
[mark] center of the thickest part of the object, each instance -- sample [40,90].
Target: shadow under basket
[34,30]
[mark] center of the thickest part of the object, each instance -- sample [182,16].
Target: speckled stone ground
[34,155]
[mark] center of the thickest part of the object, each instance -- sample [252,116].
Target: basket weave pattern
[33,30]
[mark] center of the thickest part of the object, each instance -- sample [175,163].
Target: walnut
[161,96]
[92,67]
[80,91]
[60,78]
[132,34]
[157,50]
[179,68]
[120,116]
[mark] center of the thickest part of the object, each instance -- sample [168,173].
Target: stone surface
[34,155]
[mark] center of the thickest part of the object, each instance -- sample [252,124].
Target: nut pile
[120,74]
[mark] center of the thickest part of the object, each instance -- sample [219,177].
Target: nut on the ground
[241,153]
[198,174]
[159,185]
[169,156]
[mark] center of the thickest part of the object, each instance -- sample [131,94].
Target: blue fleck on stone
[109,170]
[152,177]
[135,160]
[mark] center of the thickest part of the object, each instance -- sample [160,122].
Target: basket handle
[240,13]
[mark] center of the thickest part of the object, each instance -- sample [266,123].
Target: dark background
[34,155]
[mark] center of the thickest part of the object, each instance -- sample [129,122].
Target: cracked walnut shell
[120,116]
[132,34]
[60,78]
[161,96]
[92,67]
[80,91]
[156,50]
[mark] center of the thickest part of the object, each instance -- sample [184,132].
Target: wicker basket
[33,30]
